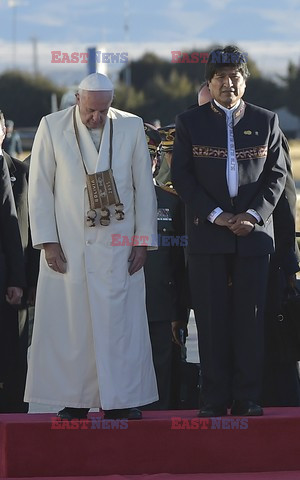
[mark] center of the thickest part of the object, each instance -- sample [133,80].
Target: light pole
[126,34]
[35,56]
[13,5]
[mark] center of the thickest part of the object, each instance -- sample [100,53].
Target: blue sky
[267,29]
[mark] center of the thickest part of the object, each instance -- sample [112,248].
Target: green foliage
[25,98]
[162,98]
[128,98]
[253,70]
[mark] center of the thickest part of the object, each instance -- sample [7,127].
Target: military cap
[167,134]
[152,137]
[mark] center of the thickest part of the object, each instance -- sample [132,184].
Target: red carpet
[29,447]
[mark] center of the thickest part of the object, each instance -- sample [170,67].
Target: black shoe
[123,413]
[246,408]
[70,413]
[212,411]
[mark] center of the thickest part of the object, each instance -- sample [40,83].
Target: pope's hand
[137,259]
[55,257]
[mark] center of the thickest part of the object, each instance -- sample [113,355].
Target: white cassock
[90,345]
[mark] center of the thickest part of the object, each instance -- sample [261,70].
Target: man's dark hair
[229,56]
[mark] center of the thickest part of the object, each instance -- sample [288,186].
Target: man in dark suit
[15,320]
[281,386]
[12,274]
[229,168]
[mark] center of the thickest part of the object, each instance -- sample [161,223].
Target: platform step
[37,445]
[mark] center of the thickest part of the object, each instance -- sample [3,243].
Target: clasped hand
[14,295]
[241,224]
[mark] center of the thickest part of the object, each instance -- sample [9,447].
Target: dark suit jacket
[199,175]
[279,347]
[13,327]
[12,272]
[19,179]
[286,248]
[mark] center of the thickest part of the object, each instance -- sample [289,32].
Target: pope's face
[93,107]
[227,86]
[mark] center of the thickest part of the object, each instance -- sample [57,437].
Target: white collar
[228,111]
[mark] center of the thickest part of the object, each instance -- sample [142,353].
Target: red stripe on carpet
[185,476]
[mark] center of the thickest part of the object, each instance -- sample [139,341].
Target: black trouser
[13,359]
[161,341]
[228,296]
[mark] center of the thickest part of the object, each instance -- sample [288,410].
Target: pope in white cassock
[90,345]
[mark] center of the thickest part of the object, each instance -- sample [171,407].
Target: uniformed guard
[154,141]
[165,269]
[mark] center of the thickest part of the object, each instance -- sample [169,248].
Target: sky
[268,30]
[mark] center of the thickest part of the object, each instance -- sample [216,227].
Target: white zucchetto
[96,82]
